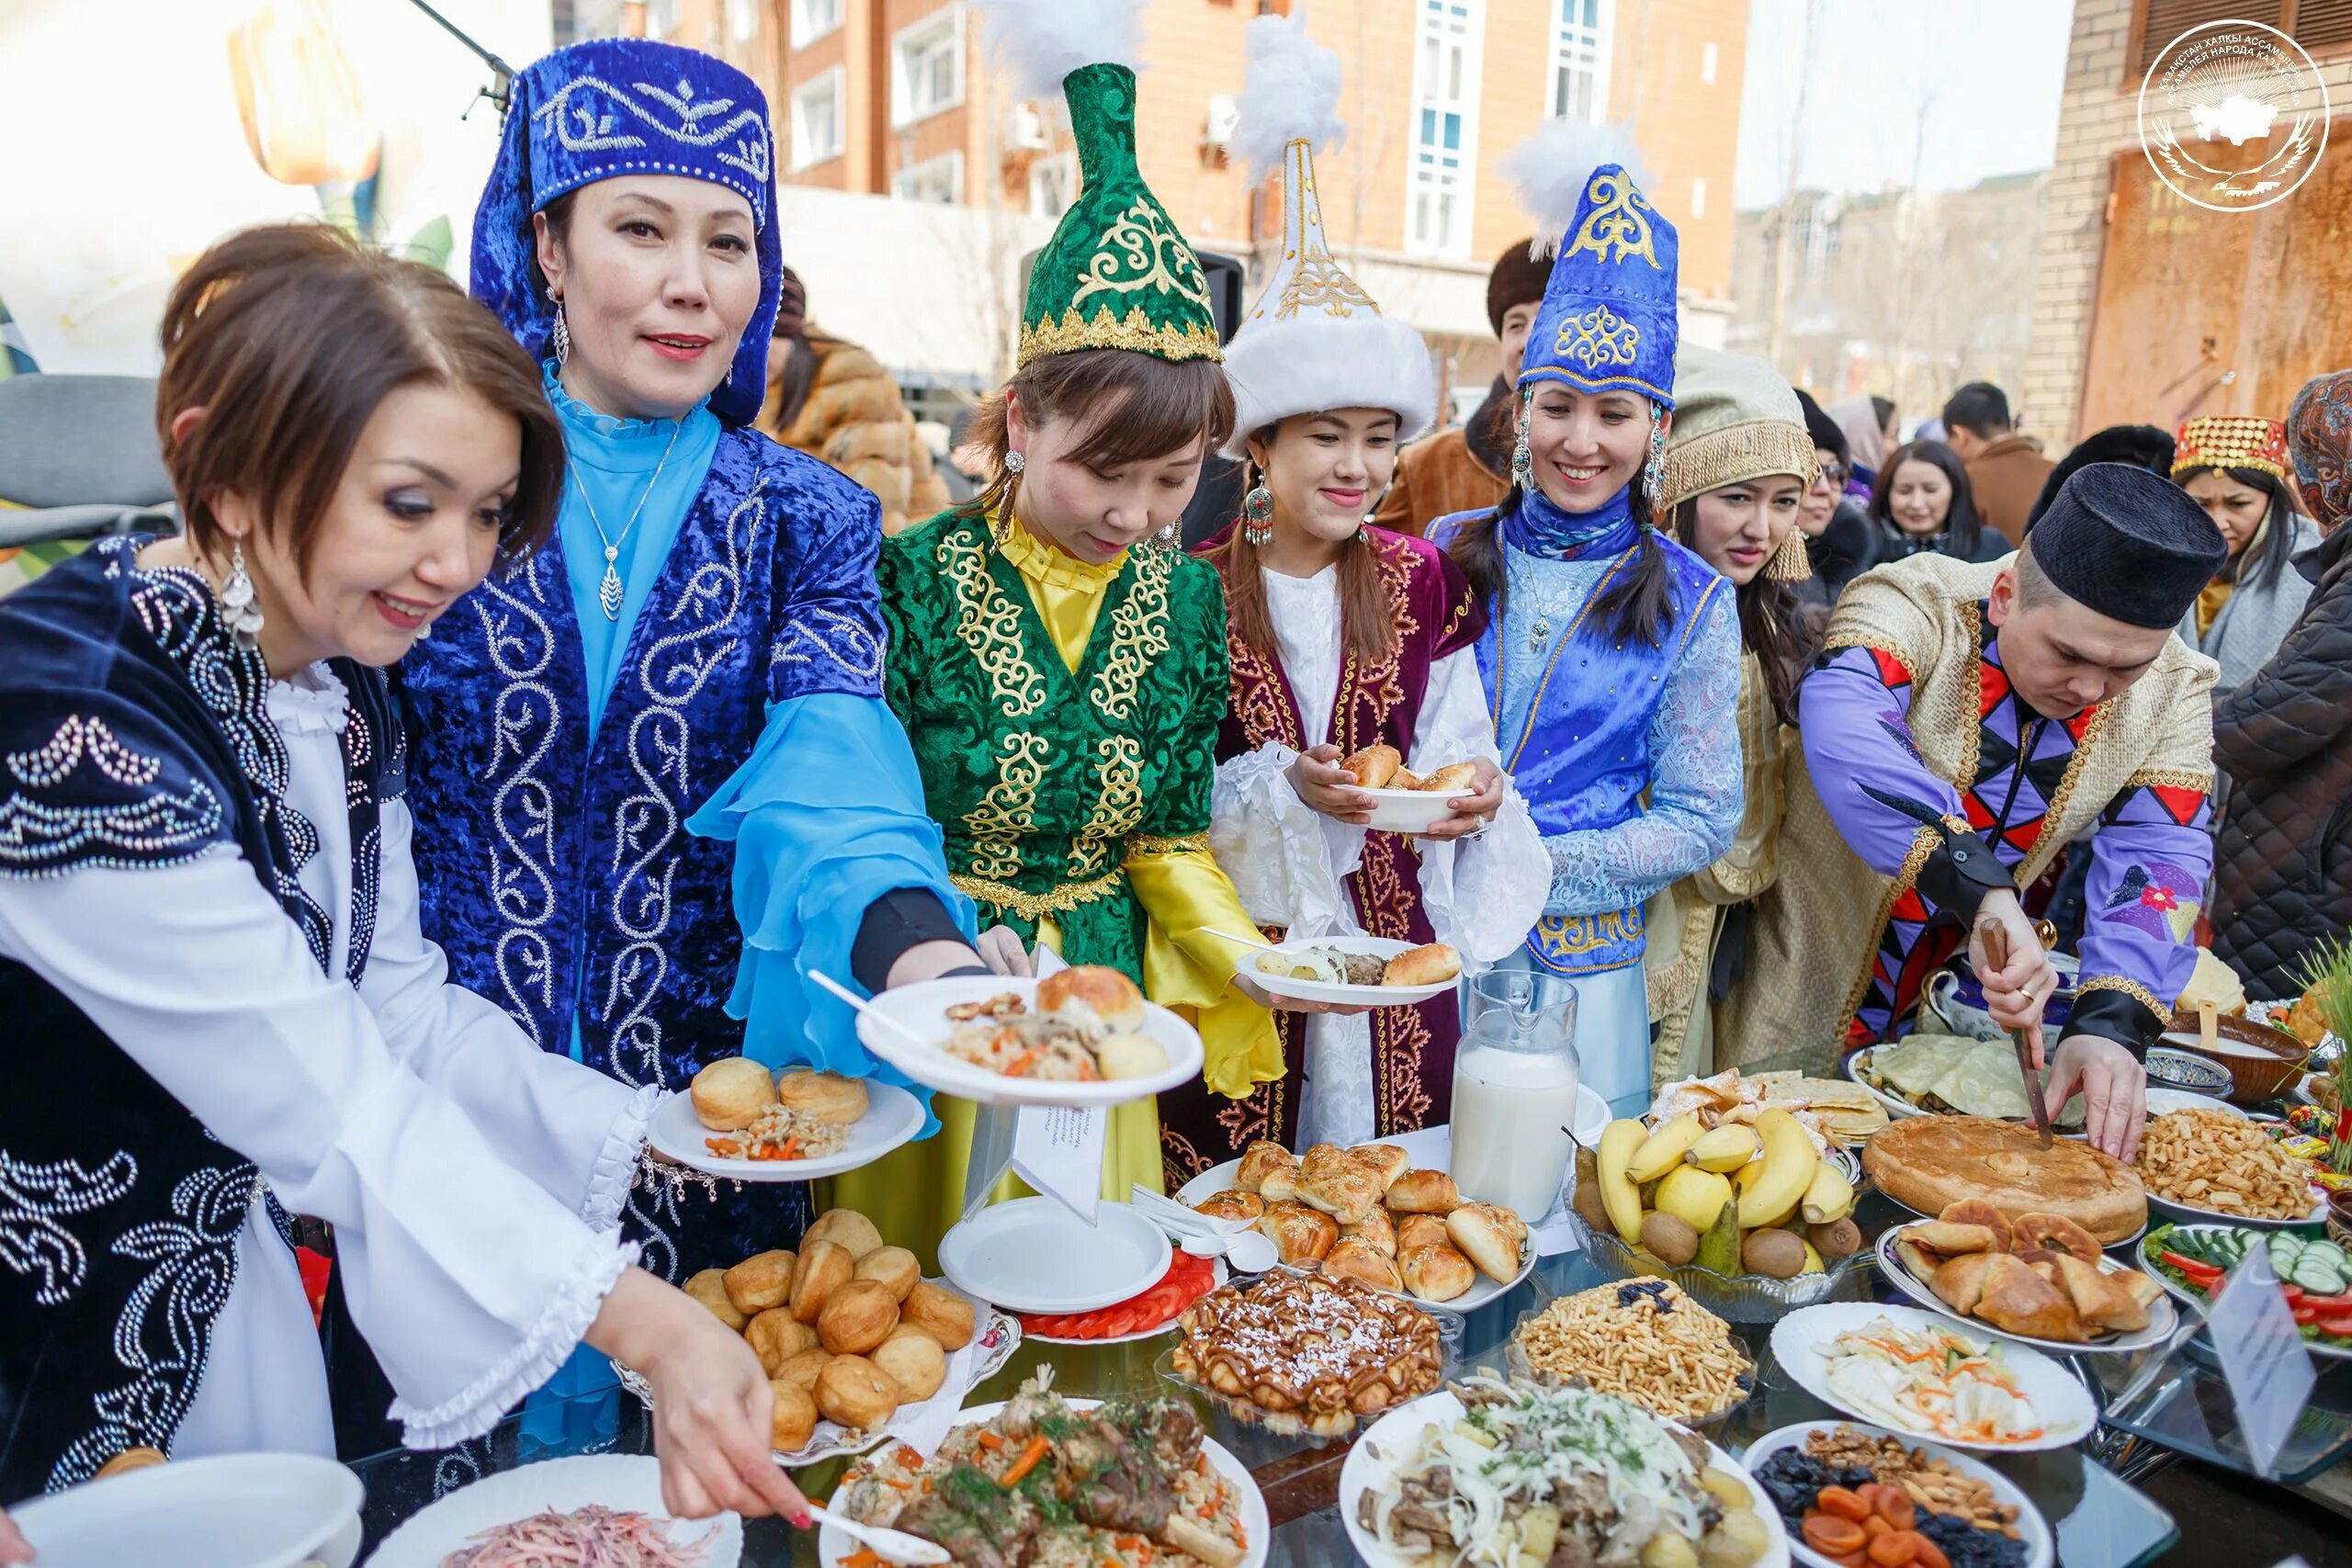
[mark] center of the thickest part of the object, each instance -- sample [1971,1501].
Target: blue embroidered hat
[613,106]
[1608,322]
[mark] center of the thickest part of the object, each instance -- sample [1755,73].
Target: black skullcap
[1823,430]
[2128,544]
[1517,278]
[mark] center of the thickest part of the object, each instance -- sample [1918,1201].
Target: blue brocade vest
[1582,758]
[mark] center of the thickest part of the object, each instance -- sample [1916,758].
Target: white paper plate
[1218,1177]
[994,1338]
[229,1511]
[631,1483]
[892,1116]
[1390,1440]
[1801,1343]
[1033,1255]
[833,1546]
[2201,1303]
[1410,810]
[2041,1550]
[1327,991]
[2162,1318]
[922,1009]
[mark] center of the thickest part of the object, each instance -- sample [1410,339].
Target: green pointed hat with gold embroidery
[1117,274]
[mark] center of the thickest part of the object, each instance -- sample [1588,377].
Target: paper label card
[2261,1356]
[1058,1149]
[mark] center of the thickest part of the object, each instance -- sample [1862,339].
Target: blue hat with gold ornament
[1608,321]
[609,107]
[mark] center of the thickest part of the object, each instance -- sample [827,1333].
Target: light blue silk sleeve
[827,816]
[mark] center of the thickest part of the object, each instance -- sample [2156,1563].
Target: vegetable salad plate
[1920,1374]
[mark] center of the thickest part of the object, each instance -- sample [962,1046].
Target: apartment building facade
[897,98]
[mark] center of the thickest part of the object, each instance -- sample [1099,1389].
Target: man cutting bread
[1962,726]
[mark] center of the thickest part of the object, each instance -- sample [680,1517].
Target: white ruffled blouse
[474,1181]
[1288,861]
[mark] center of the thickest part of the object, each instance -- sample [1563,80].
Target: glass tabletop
[2100,1520]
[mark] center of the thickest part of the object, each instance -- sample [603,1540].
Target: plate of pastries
[742,1120]
[1083,1035]
[1402,800]
[1928,1163]
[2040,1279]
[1367,1213]
[1305,1355]
[1367,970]
[854,1340]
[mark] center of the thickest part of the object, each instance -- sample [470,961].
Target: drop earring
[561,336]
[1258,512]
[1653,473]
[1001,525]
[1522,461]
[239,601]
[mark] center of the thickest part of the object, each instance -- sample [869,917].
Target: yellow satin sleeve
[1187,897]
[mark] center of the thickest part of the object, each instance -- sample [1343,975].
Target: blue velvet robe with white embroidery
[133,733]
[1627,754]
[560,873]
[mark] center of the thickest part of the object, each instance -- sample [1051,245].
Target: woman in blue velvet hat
[1611,654]
[657,782]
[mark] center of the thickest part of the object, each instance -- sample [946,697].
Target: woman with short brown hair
[211,967]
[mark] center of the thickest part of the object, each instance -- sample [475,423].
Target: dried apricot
[1841,1503]
[1833,1537]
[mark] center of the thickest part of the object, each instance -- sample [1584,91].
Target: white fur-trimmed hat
[1314,340]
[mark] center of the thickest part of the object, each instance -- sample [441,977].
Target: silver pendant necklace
[610,591]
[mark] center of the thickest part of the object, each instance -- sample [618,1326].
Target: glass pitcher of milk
[1515,1090]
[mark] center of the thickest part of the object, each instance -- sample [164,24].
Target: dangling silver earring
[1653,473]
[1001,526]
[1258,512]
[561,336]
[1522,461]
[1170,538]
[241,606]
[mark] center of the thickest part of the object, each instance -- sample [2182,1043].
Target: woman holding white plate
[1344,637]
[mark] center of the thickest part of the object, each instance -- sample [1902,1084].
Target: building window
[939,180]
[1439,171]
[1053,185]
[819,122]
[1698,199]
[1580,59]
[742,21]
[812,20]
[927,67]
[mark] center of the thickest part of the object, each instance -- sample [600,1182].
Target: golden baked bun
[1374,766]
[802,1370]
[709,1288]
[830,1098]
[761,1281]
[1279,1184]
[892,1267]
[857,1317]
[1437,1272]
[1110,995]
[854,1392]
[1420,1230]
[730,1092]
[845,1228]
[1131,1055]
[794,1421]
[940,1313]
[1231,1205]
[776,1337]
[824,1267]
[1424,965]
[1375,1230]
[1424,1192]
[1339,1186]
[1404,778]
[1359,1260]
[1298,1232]
[913,1361]
[1480,1231]
[1260,1160]
[1454,778]
[1389,1160]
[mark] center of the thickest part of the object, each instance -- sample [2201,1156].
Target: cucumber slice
[2315,1277]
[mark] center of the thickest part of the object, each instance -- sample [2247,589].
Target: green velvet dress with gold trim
[1064,717]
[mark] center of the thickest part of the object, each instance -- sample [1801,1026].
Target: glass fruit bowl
[1741,1298]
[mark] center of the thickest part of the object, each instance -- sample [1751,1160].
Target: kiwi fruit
[1670,1237]
[1839,1238]
[1775,1253]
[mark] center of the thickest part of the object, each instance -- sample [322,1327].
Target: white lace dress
[474,1181]
[1288,862]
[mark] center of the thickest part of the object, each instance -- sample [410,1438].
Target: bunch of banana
[1733,1199]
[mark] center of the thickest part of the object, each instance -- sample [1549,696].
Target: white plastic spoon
[868,1009]
[896,1545]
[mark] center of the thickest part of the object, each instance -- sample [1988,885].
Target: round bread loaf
[1423,1193]
[709,1288]
[845,1228]
[1113,996]
[857,1317]
[1436,1272]
[893,1267]
[730,1092]
[760,1282]
[1362,1261]
[824,1267]
[776,1337]
[829,1097]
[1927,1163]
[854,1392]
[794,1421]
[801,1370]
[940,1313]
[913,1360]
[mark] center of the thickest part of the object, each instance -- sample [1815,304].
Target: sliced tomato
[2304,1314]
[2336,1326]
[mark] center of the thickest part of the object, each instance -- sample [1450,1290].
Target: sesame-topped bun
[1113,996]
